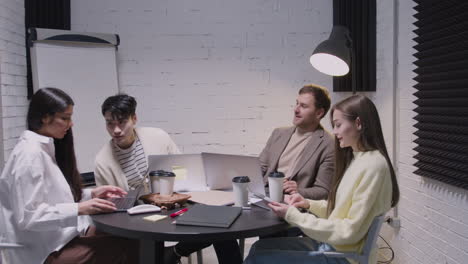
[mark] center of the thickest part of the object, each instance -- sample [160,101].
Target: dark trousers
[228,251]
[291,250]
[96,247]
[290,232]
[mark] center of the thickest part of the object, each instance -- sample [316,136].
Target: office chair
[10,245]
[7,246]
[199,257]
[369,244]
[88,179]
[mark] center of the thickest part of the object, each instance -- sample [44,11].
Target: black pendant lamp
[333,56]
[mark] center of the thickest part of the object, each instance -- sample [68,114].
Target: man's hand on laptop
[289,187]
[107,191]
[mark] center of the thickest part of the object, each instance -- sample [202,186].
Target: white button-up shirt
[37,207]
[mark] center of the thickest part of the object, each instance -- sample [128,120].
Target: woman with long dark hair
[42,201]
[364,187]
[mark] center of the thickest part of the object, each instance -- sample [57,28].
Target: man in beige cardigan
[303,152]
[123,161]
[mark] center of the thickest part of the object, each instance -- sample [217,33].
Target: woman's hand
[297,201]
[96,206]
[279,208]
[107,191]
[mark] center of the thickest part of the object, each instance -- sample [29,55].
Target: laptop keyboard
[127,202]
[123,202]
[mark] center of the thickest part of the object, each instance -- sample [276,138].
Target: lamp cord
[389,248]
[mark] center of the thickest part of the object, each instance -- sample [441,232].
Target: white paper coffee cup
[275,186]
[154,180]
[241,194]
[166,183]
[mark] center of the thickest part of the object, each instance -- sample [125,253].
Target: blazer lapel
[314,142]
[281,145]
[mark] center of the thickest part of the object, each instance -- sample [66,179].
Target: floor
[209,255]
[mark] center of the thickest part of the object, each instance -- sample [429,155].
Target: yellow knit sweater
[365,192]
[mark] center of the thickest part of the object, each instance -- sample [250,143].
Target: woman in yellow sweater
[364,187]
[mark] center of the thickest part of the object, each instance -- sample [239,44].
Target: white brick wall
[434,216]
[12,74]
[217,75]
[206,66]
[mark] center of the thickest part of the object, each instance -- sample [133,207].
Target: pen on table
[179,212]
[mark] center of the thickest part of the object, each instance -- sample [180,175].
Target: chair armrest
[10,245]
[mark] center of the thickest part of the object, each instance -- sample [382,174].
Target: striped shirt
[133,162]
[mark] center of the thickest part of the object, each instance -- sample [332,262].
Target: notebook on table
[209,215]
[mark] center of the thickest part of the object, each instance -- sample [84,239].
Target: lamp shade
[333,56]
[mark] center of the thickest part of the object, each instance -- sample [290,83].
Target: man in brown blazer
[305,151]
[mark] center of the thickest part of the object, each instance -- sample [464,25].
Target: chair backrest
[369,244]
[4,243]
[372,235]
[10,245]
[7,246]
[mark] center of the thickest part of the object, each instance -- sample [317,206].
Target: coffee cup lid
[169,174]
[157,173]
[276,174]
[241,179]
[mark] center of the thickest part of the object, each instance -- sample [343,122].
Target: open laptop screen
[221,168]
[188,169]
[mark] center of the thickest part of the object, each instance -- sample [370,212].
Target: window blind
[442,90]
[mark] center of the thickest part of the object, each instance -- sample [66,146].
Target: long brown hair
[370,138]
[46,102]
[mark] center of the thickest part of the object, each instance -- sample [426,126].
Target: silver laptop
[128,201]
[190,175]
[221,168]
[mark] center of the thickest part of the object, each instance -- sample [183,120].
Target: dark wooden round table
[251,223]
